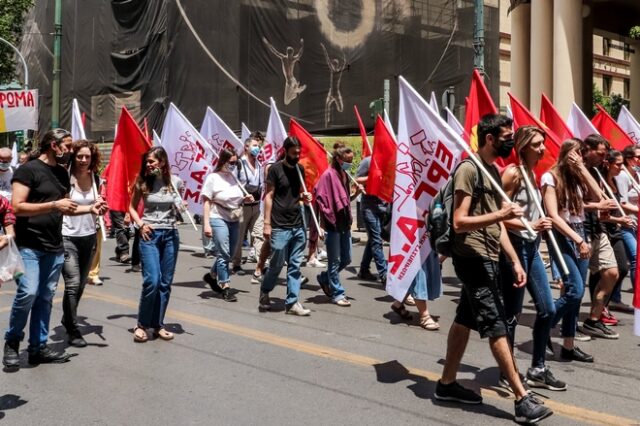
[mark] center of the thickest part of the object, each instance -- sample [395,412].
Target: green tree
[12,14]
[613,104]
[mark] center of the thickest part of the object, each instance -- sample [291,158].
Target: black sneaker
[264,302]
[304,281]
[228,296]
[76,340]
[213,283]
[455,392]
[596,328]
[11,358]
[46,355]
[545,379]
[529,411]
[575,354]
[365,274]
[237,270]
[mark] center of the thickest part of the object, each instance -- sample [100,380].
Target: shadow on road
[10,402]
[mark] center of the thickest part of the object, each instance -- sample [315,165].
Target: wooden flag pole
[609,191]
[313,212]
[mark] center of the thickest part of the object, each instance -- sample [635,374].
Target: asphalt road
[231,365]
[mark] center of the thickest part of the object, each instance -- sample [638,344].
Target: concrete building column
[567,54]
[634,94]
[541,52]
[520,44]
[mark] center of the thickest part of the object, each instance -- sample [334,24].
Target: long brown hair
[144,182]
[570,187]
[523,137]
[94,166]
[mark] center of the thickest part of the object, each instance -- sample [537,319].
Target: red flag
[366,148]
[610,130]
[313,156]
[382,172]
[521,117]
[553,120]
[478,104]
[126,158]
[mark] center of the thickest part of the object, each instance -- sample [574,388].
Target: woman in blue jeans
[529,144]
[564,188]
[159,241]
[223,198]
[333,198]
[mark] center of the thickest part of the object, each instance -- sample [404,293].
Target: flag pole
[313,212]
[609,191]
[100,217]
[182,207]
[552,238]
[633,182]
[353,180]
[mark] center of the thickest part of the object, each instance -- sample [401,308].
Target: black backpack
[440,227]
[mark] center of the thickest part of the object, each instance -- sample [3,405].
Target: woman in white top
[79,233]
[223,200]
[564,188]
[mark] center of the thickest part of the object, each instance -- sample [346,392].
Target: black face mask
[504,150]
[292,161]
[63,159]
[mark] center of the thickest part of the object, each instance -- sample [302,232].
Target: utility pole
[55,88]
[478,36]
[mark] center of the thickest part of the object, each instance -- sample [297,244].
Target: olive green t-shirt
[482,242]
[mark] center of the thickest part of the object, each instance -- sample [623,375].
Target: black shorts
[481,306]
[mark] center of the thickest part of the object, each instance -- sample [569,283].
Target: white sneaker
[322,255]
[315,263]
[298,309]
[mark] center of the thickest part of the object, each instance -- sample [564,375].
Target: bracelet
[267,223]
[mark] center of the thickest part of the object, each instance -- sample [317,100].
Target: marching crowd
[50,205]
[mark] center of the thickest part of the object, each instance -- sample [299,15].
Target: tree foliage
[613,104]
[634,32]
[12,14]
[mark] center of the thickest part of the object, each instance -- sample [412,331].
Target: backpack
[440,220]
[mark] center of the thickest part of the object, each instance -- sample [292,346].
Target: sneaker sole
[454,399]
[526,420]
[541,385]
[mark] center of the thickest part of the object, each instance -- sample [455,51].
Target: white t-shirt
[548,180]
[628,193]
[84,224]
[5,183]
[223,190]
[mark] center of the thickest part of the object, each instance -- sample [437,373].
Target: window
[606,44]
[627,52]
[606,85]
[627,88]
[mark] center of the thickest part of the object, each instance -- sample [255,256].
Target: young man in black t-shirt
[284,228]
[40,199]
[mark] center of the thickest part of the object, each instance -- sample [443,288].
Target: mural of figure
[335,75]
[291,88]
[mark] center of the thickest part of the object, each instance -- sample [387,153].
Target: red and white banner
[629,124]
[77,128]
[274,139]
[218,135]
[579,124]
[18,110]
[190,156]
[427,154]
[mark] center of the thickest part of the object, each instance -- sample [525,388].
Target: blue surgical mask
[231,168]
[254,151]
[346,166]
[4,167]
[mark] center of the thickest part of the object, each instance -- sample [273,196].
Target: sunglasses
[232,163]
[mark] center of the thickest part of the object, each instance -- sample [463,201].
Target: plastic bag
[11,265]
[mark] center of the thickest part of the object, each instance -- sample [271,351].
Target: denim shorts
[481,305]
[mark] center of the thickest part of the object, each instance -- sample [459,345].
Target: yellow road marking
[571,411]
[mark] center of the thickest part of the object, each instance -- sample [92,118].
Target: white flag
[426,156]
[218,134]
[156,141]
[274,139]
[453,122]
[387,122]
[77,128]
[509,112]
[629,124]
[246,133]
[433,102]
[190,157]
[14,155]
[579,124]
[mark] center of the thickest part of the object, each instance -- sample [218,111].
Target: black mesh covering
[316,58]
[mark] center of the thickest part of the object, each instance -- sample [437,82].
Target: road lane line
[566,410]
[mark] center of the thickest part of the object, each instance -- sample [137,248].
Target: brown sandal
[140,334]
[428,323]
[163,334]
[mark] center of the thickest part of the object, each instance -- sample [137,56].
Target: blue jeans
[35,291]
[287,244]
[372,214]
[539,289]
[158,258]
[629,239]
[338,257]
[224,239]
[568,304]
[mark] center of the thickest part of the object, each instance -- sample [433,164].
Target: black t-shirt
[46,183]
[285,210]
